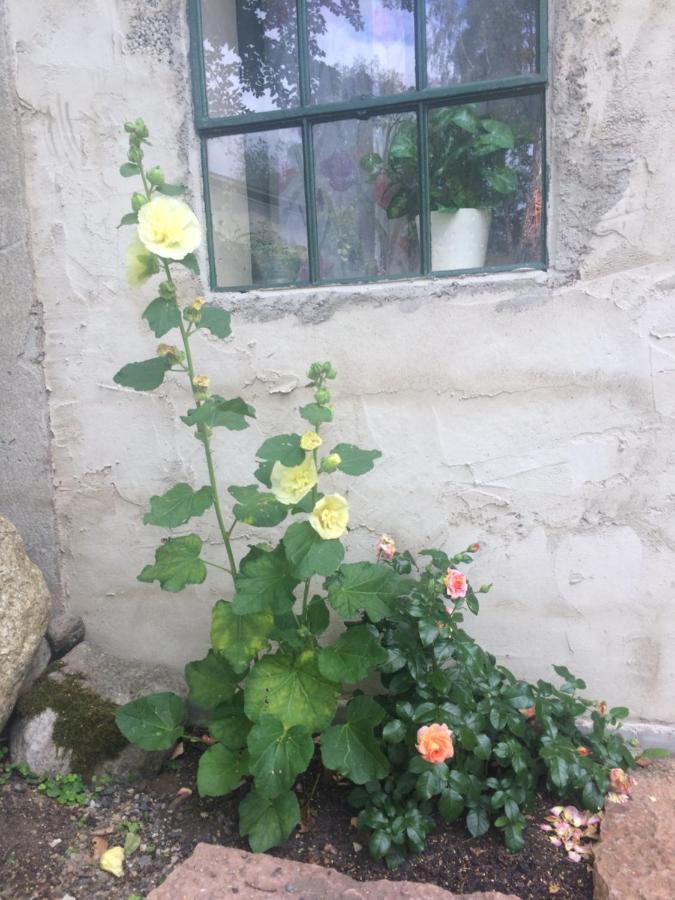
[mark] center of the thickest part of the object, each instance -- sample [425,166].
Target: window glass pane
[366,197]
[360,48]
[485,176]
[250,55]
[256,188]
[479,40]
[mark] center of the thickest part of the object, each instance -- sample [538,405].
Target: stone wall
[533,412]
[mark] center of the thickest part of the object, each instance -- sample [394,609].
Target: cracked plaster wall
[25,461]
[534,412]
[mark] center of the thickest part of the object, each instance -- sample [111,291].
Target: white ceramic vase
[459,239]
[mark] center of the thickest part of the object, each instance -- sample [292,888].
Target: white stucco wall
[533,412]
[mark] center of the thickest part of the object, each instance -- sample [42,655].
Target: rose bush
[451,733]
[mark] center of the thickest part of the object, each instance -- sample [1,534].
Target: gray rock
[24,601]
[42,658]
[64,632]
[65,722]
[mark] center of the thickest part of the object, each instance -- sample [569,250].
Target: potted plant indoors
[273,261]
[468,178]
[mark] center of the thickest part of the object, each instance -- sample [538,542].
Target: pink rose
[455,584]
[386,548]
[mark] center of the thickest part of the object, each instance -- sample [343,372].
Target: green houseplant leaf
[309,554]
[355,461]
[278,755]
[351,748]
[162,315]
[239,638]
[179,504]
[177,564]
[153,722]
[220,771]
[293,690]
[266,822]
[363,586]
[211,681]
[265,582]
[143,376]
[352,657]
[257,508]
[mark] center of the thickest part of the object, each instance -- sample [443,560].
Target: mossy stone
[85,722]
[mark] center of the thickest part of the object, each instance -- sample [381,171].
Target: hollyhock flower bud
[155,175]
[474,548]
[434,743]
[201,382]
[310,440]
[330,463]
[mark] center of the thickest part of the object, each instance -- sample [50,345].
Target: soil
[48,851]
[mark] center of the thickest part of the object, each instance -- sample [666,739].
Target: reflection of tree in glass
[475,40]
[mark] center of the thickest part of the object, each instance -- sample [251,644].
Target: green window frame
[422,101]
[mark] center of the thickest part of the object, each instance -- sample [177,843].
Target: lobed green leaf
[145,375]
[153,722]
[177,564]
[177,505]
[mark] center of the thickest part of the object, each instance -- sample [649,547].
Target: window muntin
[337,138]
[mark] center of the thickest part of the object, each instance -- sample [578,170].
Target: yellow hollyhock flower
[330,517]
[291,483]
[310,440]
[141,265]
[202,382]
[113,861]
[169,228]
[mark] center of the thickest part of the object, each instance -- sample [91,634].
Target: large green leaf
[351,749]
[239,638]
[268,823]
[309,554]
[177,564]
[153,722]
[363,586]
[179,504]
[284,448]
[162,315]
[502,180]
[220,771]
[264,472]
[352,657]
[278,755]
[451,805]
[143,376]
[231,728]
[216,412]
[215,320]
[355,461]
[316,415]
[264,582]
[211,681]
[293,690]
[257,508]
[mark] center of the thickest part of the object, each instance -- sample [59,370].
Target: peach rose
[527,712]
[583,751]
[455,584]
[620,782]
[434,743]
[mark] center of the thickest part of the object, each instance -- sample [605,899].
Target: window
[360,140]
